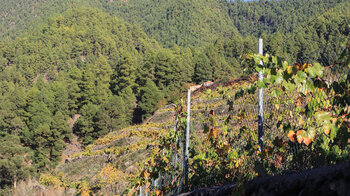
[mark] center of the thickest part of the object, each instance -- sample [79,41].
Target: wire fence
[246,113]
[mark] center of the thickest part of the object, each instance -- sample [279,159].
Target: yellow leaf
[334,120]
[226,148]
[299,101]
[159,192]
[291,136]
[301,121]
[326,129]
[213,132]
[145,174]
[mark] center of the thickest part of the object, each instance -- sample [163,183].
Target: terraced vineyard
[130,148]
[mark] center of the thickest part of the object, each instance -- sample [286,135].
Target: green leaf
[336,149]
[318,69]
[233,154]
[334,131]
[265,59]
[311,71]
[309,85]
[301,75]
[258,68]
[274,60]
[289,86]
[257,59]
[267,71]
[277,61]
[325,144]
[279,78]
[276,93]
[266,80]
[261,84]
[311,132]
[322,116]
[273,78]
[333,134]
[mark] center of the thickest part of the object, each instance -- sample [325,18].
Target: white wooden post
[187,137]
[261,102]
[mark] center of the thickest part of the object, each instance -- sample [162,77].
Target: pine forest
[93,96]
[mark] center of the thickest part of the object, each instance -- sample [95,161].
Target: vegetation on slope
[73,64]
[185,23]
[90,63]
[87,62]
[20,16]
[306,125]
[128,150]
[255,18]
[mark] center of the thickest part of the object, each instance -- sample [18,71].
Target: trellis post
[261,102]
[187,138]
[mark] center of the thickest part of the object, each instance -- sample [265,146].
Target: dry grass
[32,187]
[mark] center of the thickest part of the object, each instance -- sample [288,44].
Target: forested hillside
[185,23]
[19,16]
[182,22]
[255,18]
[83,62]
[105,65]
[89,63]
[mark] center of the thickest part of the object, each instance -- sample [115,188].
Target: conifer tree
[111,116]
[14,161]
[74,91]
[61,101]
[60,132]
[130,103]
[102,72]
[150,96]
[202,69]
[125,74]
[164,69]
[85,126]
[87,86]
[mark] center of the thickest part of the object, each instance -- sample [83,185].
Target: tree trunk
[14,182]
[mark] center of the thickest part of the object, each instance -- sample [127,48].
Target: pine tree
[130,103]
[14,161]
[202,69]
[125,75]
[61,97]
[111,116]
[150,96]
[85,126]
[164,69]
[74,91]
[87,85]
[60,131]
[102,72]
